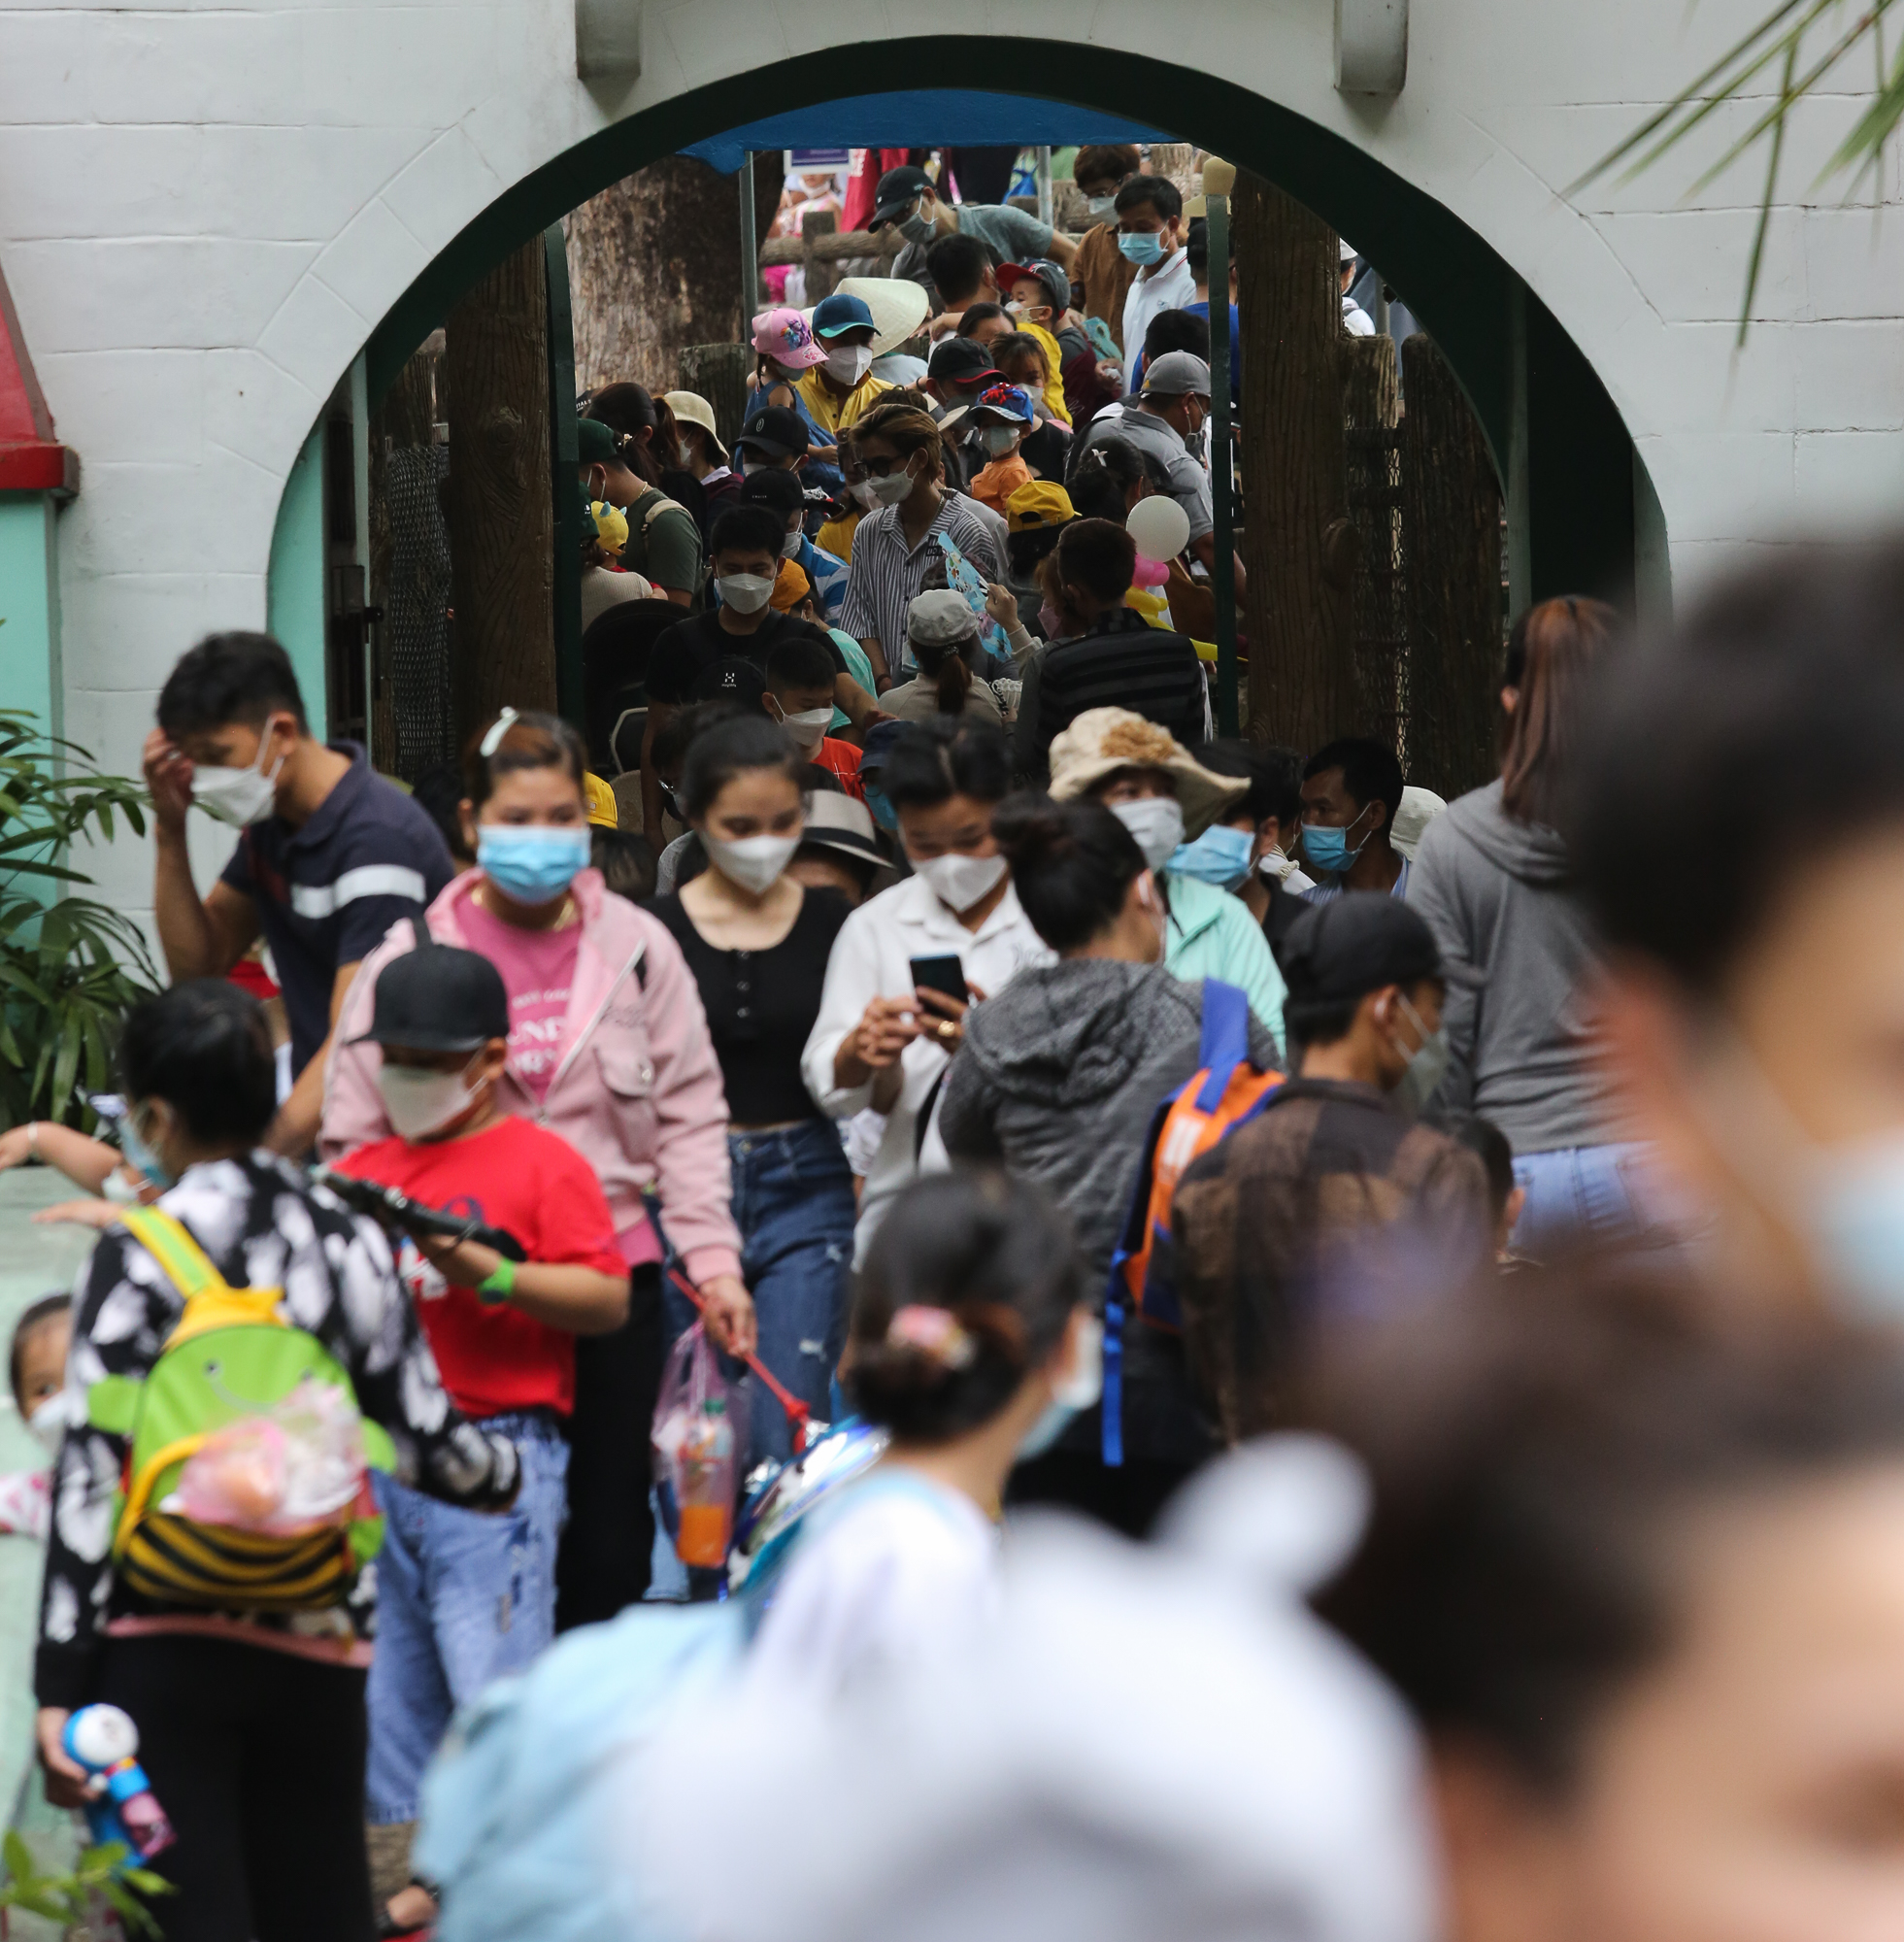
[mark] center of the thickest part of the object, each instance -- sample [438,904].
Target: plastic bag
[289,1469]
[697,1454]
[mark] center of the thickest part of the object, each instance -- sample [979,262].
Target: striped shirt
[886,577]
[1122,663]
[328,889]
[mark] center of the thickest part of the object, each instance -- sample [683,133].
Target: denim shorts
[462,1597]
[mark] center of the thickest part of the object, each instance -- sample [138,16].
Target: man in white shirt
[1150,235]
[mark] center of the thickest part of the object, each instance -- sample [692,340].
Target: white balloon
[1159,527]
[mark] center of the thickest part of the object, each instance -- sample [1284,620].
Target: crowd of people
[1457,1242]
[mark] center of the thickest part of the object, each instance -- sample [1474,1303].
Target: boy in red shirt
[462,1596]
[799,696]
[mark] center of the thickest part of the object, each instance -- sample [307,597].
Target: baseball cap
[1005,401]
[438,998]
[878,744]
[1176,373]
[785,335]
[939,618]
[1359,942]
[962,361]
[602,811]
[779,491]
[691,408]
[1042,503]
[775,432]
[899,189]
[1040,269]
[837,312]
[598,444]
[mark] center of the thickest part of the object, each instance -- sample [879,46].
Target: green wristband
[500,1284]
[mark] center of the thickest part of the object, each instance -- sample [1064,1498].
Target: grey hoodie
[1498,895]
[1060,1074]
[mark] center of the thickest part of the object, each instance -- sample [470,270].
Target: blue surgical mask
[881,812]
[1073,1393]
[1220,855]
[1143,246]
[1327,847]
[141,1156]
[532,863]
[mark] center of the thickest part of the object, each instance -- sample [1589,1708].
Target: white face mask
[850,363]
[1273,863]
[1156,821]
[47,1423]
[808,729]
[418,1101]
[960,882]
[789,547]
[999,439]
[685,453]
[1102,207]
[754,862]
[893,489]
[862,490]
[745,592]
[237,796]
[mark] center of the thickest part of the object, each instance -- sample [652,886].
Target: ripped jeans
[793,1201]
[462,1597]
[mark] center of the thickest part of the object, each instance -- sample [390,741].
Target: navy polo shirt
[329,889]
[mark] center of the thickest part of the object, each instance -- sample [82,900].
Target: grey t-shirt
[1010,235]
[1189,483]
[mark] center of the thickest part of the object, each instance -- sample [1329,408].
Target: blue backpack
[1225,1092]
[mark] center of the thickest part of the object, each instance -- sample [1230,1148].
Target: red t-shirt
[532,1181]
[843,759]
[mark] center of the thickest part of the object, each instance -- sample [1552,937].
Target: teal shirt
[1212,934]
[859,666]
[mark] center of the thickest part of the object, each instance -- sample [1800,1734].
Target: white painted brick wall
[206,209]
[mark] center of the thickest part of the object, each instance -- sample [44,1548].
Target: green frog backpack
[231,1357]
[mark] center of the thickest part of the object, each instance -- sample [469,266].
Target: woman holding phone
[757,941]
[893,1009]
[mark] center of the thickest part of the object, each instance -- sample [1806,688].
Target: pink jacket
[638,1092]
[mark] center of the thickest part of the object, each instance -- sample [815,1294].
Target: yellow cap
[790,587]
[1042,503]
[602,811]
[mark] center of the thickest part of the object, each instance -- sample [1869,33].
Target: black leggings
[608,1545]
[257,1759]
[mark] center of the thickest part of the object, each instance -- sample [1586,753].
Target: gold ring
[946,1028]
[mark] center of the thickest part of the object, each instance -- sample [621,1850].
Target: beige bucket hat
[1101,741]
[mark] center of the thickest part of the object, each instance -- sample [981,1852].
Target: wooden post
[823,276]
[501,526]
[1452,508]
[1370,410]
[717,373]
[1299,545]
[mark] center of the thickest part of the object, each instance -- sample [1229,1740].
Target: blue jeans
[462,1597]
[1590,1195]
[793,1201]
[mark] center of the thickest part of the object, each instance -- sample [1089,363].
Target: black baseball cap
[1359,942]
[962,361]
[899,189]
[438,998]
[779,491]
[776,431]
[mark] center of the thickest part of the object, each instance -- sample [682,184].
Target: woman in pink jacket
[609,1047]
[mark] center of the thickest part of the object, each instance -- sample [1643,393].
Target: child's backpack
[1225,1092]
[287,1450]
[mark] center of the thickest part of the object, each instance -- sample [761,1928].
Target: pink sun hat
[786,337]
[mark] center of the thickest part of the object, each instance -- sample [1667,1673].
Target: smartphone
[945,973]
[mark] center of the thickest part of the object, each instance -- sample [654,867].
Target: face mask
[1051,619]
[745,592]
[1143,247]
[789,547]
[894,490]
[808,728]
[850,363]
[237,796]
[419,1102]
[1220,855]
[881,812]
[531,864]
[1327,847]
[48,1422]
[1273,863]
[749,466]
[1195,441]
[1102,207]
[862,490]
[138,1154]
[754,862]
[961,881]
[119,1190]
[1074,1390]
[1157,823]
[999,439]
[1426,1066]
[684,454]
[1014,308]
[917,228]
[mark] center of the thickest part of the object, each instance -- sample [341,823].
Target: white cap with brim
[939,618]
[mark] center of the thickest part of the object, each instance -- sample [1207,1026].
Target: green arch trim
[1532,389]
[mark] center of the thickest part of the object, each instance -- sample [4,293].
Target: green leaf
[19,1856]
